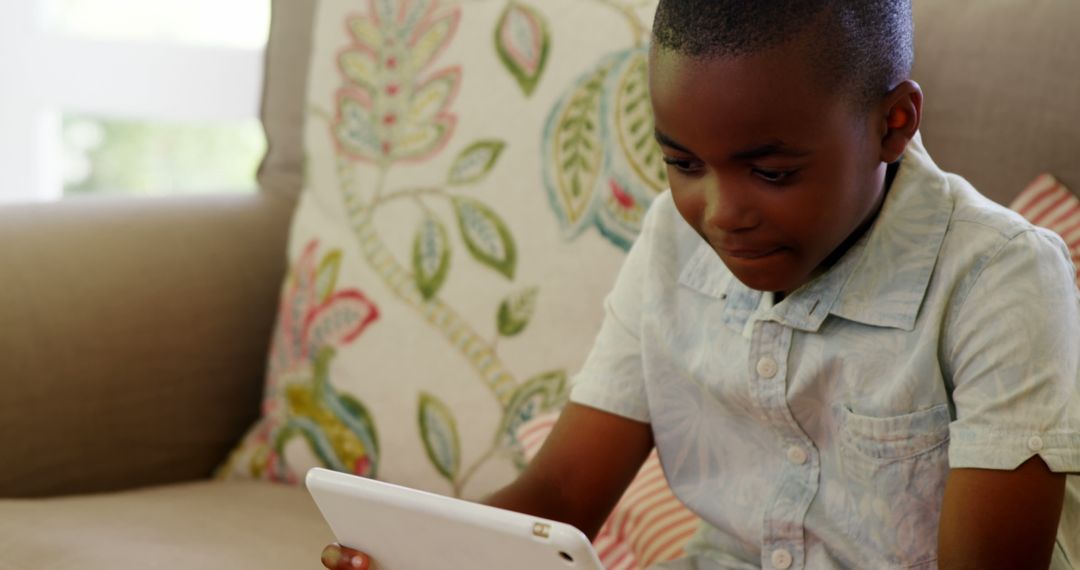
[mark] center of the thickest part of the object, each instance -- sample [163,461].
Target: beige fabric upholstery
[133,335]
[283,95]
[197,526]
[1002,84]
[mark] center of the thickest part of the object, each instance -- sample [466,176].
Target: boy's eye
[682,165]
[773,176]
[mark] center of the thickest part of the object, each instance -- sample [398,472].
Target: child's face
[769,166]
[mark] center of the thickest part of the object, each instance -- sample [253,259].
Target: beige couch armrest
[133,335]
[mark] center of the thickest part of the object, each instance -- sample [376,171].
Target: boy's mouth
[750,253]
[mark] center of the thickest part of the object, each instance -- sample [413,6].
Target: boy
[846,357]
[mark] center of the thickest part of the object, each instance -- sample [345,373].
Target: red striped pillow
[649,524]
[1048,203]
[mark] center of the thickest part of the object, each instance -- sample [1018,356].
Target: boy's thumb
[337,557]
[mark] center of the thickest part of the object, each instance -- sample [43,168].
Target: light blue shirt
[818,432]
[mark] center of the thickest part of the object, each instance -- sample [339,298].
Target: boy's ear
[901,113]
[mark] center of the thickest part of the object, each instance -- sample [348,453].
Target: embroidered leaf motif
[601,166]
[361,69]
[432,39]
[367,34]
[339,320]
[315,414]
[303,284]
[309,430]
[425,126]
[439,431]
[385,13]
[338,428]
[486,236]
[413,11]
[475,162]
[575,147]
[327,275]
[523,41]
[634,123]
[537,395]
[419,140]
[361,461]
[354,130]
[433,96]
[431,257]
[516,310]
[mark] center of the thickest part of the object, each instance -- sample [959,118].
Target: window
[229,23]
[130,96]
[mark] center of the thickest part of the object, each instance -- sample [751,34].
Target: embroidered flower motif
[314,321]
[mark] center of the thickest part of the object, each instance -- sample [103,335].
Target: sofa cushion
[131,335]
[206,525]
[475,174]
[1002,90]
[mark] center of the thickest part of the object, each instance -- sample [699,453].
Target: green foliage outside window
[138,157]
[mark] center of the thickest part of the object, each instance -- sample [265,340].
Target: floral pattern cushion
[476,170]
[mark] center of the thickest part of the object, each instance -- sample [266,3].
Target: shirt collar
[881,280]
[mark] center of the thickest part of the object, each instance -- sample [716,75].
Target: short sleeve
[612,378]
[1013,350]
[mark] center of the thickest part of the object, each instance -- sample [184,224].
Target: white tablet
[406,529]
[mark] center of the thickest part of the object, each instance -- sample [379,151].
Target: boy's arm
[1000,519]
[582,469]
[1010,345]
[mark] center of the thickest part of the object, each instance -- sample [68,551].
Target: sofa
[134,332]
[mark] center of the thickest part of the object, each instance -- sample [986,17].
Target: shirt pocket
[894,438]
[894,471]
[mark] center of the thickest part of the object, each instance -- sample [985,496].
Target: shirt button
[1035,443]
[796,455]
[767,367]
[781,559]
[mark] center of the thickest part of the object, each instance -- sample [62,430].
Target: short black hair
[864,47]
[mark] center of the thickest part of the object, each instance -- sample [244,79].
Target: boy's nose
[726,210]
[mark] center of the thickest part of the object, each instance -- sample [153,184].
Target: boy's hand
[337,557]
